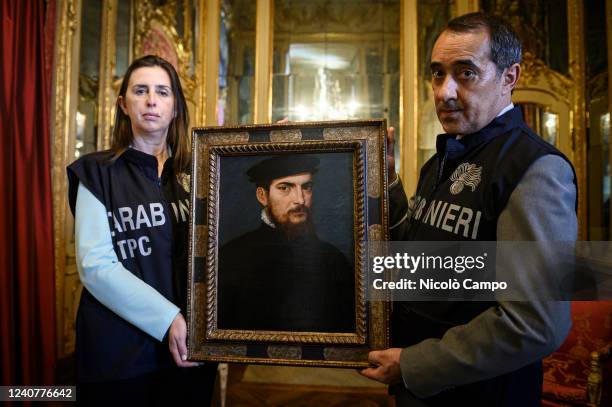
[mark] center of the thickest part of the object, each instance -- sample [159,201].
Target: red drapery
[27,297]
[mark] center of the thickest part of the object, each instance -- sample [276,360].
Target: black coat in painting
[267,282]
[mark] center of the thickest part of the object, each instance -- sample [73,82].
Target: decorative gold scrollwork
[536,73]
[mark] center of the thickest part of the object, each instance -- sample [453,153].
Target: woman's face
[149,101]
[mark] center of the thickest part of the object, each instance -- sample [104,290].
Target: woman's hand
[177,342]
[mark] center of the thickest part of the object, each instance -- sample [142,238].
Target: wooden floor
[301,387]
[276,386]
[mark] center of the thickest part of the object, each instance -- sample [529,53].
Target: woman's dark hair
[177,132]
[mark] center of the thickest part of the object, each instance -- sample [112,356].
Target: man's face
[468,91]
[288,199]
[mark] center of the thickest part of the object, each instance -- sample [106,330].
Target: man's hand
[386,366]
[391,154]
[177,341]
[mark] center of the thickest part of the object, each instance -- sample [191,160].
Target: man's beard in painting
[295,231]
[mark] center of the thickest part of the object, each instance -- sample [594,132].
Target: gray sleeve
[542,206]
[509,335]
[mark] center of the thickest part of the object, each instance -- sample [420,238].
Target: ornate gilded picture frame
[280,220]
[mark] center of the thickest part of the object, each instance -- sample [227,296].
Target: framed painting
[280,220]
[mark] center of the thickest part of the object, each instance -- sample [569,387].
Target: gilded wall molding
[264,37]
[408,95]
[375,37]
[536,74]
[575,23]
[543,86]
[211,61]
[65,84]
[324,17]
[108,60]
[199,75]
[597,87]
[465,6]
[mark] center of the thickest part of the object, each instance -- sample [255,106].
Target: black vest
[462,190]
[148,219]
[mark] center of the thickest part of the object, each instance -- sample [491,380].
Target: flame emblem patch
[466,174]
